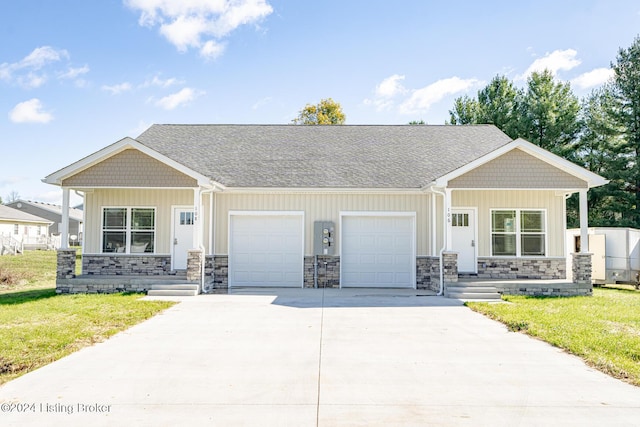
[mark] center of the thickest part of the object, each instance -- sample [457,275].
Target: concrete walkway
[315,358]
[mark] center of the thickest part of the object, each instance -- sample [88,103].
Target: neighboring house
[20,230]
[304,206]
[54,214]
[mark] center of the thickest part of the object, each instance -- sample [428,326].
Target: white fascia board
[592,179]
[57,177]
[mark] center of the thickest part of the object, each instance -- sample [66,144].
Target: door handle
[175,241]
[473,243]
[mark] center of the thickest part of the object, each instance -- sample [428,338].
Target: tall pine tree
[626,115]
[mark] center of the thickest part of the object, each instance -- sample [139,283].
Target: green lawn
[603,329]
[37,326]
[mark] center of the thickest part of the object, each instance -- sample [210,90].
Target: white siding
[485,200]
[162,200]
[324,207]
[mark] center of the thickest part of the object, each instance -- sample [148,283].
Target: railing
[10,244]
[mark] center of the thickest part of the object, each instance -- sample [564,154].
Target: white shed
[616,253]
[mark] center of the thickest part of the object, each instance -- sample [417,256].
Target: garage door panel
[378,251]
[266,250]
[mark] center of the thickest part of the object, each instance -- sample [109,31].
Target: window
[460,220]
[186,218]
[16,229]
[128,230]
[518,232]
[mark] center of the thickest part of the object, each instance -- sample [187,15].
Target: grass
[603,329]
[37,326]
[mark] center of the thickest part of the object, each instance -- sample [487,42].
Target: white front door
[182,236]
[463,232]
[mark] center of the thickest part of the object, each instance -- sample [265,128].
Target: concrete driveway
[319,358]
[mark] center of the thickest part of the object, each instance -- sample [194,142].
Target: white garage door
[266,250]
[378,251]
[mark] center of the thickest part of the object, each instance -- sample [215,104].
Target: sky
[78,75]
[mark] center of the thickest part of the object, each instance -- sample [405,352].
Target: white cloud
[390,86]
[32,80]
[199,24]
[36,60]
[72,73]
[40,57]
[212,49]
[385,91]
[183,97]
[422,99]
[32,70]
[592,78]
[555,61]
[117,89]
[30,112]
[157,81]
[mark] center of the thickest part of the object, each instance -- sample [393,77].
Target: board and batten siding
[323,207]
[162,200]
[485,200]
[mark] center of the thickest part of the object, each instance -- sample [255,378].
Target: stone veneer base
[328,274]
[126,265]
[522,268]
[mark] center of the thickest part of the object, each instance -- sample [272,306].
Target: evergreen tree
[626,115]
[549,114]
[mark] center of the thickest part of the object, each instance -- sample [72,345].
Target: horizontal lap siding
[322,207]
[162,200]
[485,200]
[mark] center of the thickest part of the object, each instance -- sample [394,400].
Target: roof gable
[517,169]
[66,173]
[130,168]
[560,168]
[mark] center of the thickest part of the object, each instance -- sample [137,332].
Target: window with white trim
[518,232]
[128,230]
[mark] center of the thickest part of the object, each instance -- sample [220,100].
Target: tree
[13,196]
[326,112]
[417,122]
[466,111]
[549,114]
[598,143]
[499,104]
[626,114]
[496,104]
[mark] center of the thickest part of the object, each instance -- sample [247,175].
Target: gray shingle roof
[10,214]
[351,156]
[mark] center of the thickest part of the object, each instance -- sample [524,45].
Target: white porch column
[447,224]
[197,218]
[584,223]
[64,226]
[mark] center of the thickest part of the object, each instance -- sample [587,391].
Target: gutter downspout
[444,238]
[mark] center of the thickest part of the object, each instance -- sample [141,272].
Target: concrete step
[173,290]
[472,292]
